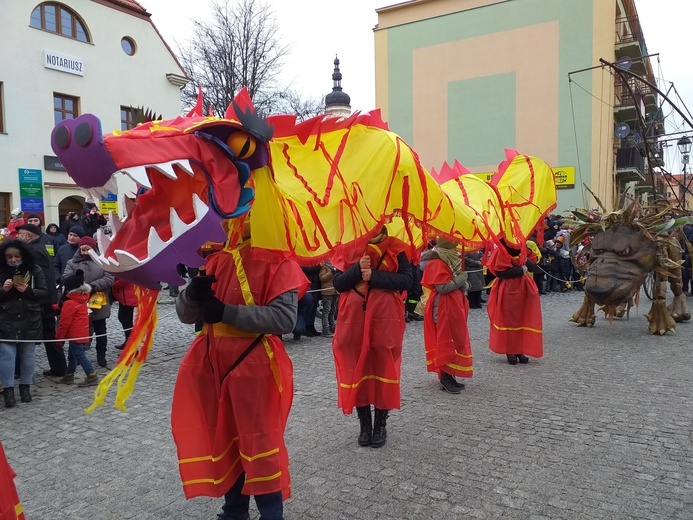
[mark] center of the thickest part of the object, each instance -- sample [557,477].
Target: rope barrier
[75,340]
[113,334]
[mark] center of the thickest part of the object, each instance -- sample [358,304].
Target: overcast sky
[317,30]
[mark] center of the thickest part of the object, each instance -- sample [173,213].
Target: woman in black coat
[23,287]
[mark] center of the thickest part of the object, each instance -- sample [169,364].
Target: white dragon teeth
[184,165]
[116,224]
[166,169]
[124,259]
[199,207]
[178,227]
[103,240]
[155,244]
[138,174]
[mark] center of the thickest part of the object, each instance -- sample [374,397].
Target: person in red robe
[446,336]
[367,343]
[234,389]
[10,507]
[513,306]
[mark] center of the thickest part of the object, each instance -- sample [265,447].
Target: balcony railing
[628,30]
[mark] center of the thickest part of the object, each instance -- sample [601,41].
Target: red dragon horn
[242,101]
[197,109]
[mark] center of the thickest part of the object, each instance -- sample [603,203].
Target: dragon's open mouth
[163,220]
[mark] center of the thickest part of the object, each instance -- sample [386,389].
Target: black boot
[512,359]
[448,383]
[411,307]
[8,395]
[366,421]
[24,393]
[522,358]
[379,431]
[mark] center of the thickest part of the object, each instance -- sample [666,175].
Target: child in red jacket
[74,325]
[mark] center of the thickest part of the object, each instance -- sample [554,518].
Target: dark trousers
[310,321]
[305,304]
[101,339]
[474,298]
[236,504]
[126,315]
[54,351]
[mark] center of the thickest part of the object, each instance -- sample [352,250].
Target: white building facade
[64,59]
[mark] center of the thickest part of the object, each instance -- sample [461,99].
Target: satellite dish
[622,130]
[624,63]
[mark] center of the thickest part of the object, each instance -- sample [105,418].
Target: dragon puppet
[624,246]
[316,188]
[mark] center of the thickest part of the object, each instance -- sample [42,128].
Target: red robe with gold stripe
[514,309]
[10,508]
[225,423]
[367,345]
[447,342]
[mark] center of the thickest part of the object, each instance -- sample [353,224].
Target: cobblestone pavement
[599,428]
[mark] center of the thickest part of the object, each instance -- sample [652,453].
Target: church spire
[337,102]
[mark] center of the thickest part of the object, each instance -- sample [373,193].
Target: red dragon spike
[242,101]
[197,110]
[510,154]
[460,168]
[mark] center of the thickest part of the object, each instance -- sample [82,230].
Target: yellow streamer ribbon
[130,362]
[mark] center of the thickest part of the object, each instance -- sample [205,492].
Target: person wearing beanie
[66,252]
[73,325]
[44,238]
[30,234]
[16,219]
[87,241]
[101,283]
[22,286]
[35,219]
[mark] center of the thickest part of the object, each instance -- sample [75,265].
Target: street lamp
[684,145]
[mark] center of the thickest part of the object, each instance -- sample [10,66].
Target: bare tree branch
[240,46]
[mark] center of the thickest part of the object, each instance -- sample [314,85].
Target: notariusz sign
[55,61]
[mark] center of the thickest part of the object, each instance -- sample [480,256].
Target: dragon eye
[241,144]
[625,252]
[597,251]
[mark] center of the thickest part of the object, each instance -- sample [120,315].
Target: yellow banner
[105,206]
[565,177]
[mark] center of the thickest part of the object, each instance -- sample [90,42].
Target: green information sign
[30,183]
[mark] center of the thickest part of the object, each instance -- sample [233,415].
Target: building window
[4,209]
[128,46]
[2,107]
[64,107]
[127,118]
[56,18]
